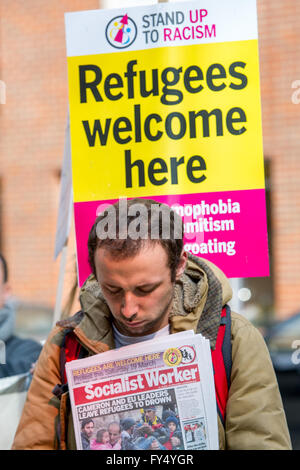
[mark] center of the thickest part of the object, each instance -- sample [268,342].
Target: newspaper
[153,395]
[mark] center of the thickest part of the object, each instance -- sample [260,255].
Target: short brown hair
[121,248]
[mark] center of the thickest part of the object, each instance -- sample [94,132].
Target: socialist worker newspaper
[153,395]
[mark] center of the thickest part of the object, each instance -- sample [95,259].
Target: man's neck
[123,340]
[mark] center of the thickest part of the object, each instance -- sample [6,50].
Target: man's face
[138,290]
[89,429]
[150,415]
[114,433]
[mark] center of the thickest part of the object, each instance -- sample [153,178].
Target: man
[19,354]
[87,429]
[146,286]
[128,427]
[153,425]
[114,431]
[150,416]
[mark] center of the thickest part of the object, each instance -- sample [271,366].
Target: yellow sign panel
[173,120]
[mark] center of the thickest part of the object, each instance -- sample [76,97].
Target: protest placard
[165,104]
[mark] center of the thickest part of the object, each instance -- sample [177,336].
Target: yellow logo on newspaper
[172,357]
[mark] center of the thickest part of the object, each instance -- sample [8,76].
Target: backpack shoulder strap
[70,350]
[222,362]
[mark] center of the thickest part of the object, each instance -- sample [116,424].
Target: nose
[129,307]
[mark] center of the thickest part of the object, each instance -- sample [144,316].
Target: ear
[6,292]
[182,264]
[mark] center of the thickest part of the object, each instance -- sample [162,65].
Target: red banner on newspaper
[151,379]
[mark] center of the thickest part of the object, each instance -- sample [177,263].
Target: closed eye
[144,290]
[139,291]
[112,290]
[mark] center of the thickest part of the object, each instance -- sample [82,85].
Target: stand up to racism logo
[121,32]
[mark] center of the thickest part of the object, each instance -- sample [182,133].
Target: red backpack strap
[222,362]
[70,350]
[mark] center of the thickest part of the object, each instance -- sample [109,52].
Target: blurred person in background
[20,354]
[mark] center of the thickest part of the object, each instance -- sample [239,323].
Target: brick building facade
[279,25]
[32,125]
[32,128]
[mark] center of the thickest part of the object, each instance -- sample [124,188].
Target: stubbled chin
[134,332]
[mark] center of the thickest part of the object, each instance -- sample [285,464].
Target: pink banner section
[228,228]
